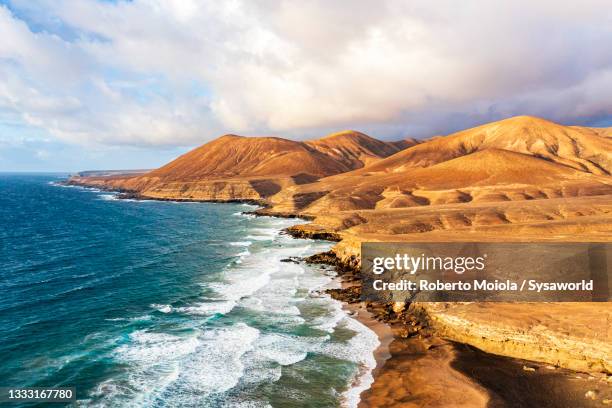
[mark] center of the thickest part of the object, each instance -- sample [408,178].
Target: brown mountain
[519,158]
[486,176]
[236,167]
[355,149]
[585,149]
[406,143]
[521,179]
[237,156]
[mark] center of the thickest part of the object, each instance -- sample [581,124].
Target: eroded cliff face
[569,335]
[252,189]
[575,336]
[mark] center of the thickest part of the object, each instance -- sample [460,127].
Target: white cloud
[124,73]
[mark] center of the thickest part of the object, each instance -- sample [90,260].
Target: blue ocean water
[163,304]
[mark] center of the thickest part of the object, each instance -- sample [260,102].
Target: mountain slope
[354,149]
[519,158]
[484,176]
[405,143]
[236,167]
[238,156]
[580,148]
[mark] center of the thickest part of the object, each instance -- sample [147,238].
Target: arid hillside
[586,149]
[349,179]
[352,179]
[354,150]
[238,156]
[522,158]
[236,167]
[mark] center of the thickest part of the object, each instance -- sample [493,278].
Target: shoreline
[424,369]
[461,364]
[382,330]
[359,314]
[396,355]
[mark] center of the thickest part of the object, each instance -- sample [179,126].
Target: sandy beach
[433,372]
[427,370]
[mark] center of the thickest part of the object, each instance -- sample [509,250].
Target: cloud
[153,72]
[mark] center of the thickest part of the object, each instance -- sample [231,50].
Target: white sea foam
[278,296]
[129,319]
[108,197]
[236,357]
[152,348]
[281,348]
[260,237]
[216,366]
[162,308]
[241,243]
[360,350]
[244,253]
[265,230]
[263,233]
[59,184]
[330,320]
[205,308]
[154,360]
[208,308]
[258,370]
[233,403]
[92,189]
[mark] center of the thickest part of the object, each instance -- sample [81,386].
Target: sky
[132,84]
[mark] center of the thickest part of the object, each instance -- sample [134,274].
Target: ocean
[165,304]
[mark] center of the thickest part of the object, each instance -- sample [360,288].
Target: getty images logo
[413,264]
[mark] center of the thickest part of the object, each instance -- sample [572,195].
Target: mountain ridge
[578,147]
[357,168]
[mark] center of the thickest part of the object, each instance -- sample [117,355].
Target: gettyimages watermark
[486,272]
